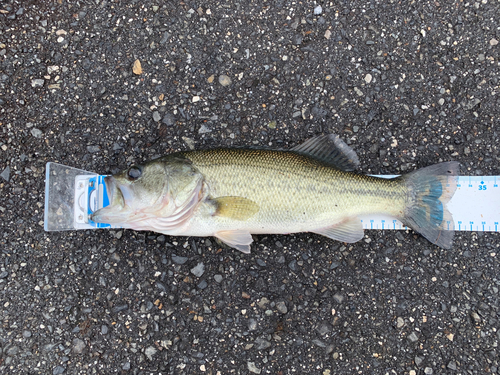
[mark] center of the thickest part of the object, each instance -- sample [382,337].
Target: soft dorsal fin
[329,149]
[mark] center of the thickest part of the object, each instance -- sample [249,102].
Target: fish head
[156,189]
[135,193]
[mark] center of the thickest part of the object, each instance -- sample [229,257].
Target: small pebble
[37,133]
[224,80]
[262,343]
[260,262]
[252,368]
[119,308]
[156,116]
[318,10]
[452,365]
[418,360]
[476,317]
[493,42]
[78,346]
[368,78]
[413,337]
[6,176]
[218,278]
[198,270]
[252,324]
[137,67]
[263,302]
[52,68]
[169,119]
[178,259]
[150,352]
[37,82]
[93,149]
[281,306]
[204,129]
[202,284]
[324,328]
[338,297]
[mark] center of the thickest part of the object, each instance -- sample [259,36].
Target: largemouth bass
[234,193]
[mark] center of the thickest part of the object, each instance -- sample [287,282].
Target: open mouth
[115,194]
[110,187]
[113,213]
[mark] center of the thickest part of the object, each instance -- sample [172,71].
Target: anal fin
[349,230]
[237,239]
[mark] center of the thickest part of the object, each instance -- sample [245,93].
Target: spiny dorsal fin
[237,208]
[329,149]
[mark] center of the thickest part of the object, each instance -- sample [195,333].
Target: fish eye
[134,173]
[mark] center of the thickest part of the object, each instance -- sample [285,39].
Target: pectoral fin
[350,230]
[237,239]
[237,208]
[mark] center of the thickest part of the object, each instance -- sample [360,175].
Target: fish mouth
[116,211]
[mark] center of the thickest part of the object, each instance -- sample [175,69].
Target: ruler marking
[474,207]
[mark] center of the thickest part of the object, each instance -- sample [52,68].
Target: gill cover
[158,195]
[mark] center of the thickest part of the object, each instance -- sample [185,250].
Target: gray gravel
[406,84]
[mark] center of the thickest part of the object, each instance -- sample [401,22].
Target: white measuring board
[474,207]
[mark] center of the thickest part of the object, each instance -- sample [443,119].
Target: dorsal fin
[329,149]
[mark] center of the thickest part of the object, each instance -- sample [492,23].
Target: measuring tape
[474,206]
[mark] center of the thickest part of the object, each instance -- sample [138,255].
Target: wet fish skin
[233,193]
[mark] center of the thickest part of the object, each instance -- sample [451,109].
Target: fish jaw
[109,215]
[116,212]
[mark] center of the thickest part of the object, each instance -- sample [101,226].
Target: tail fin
[429,189]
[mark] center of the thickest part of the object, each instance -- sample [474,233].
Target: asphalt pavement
[99,85]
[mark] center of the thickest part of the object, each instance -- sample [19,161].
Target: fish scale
[314,194]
